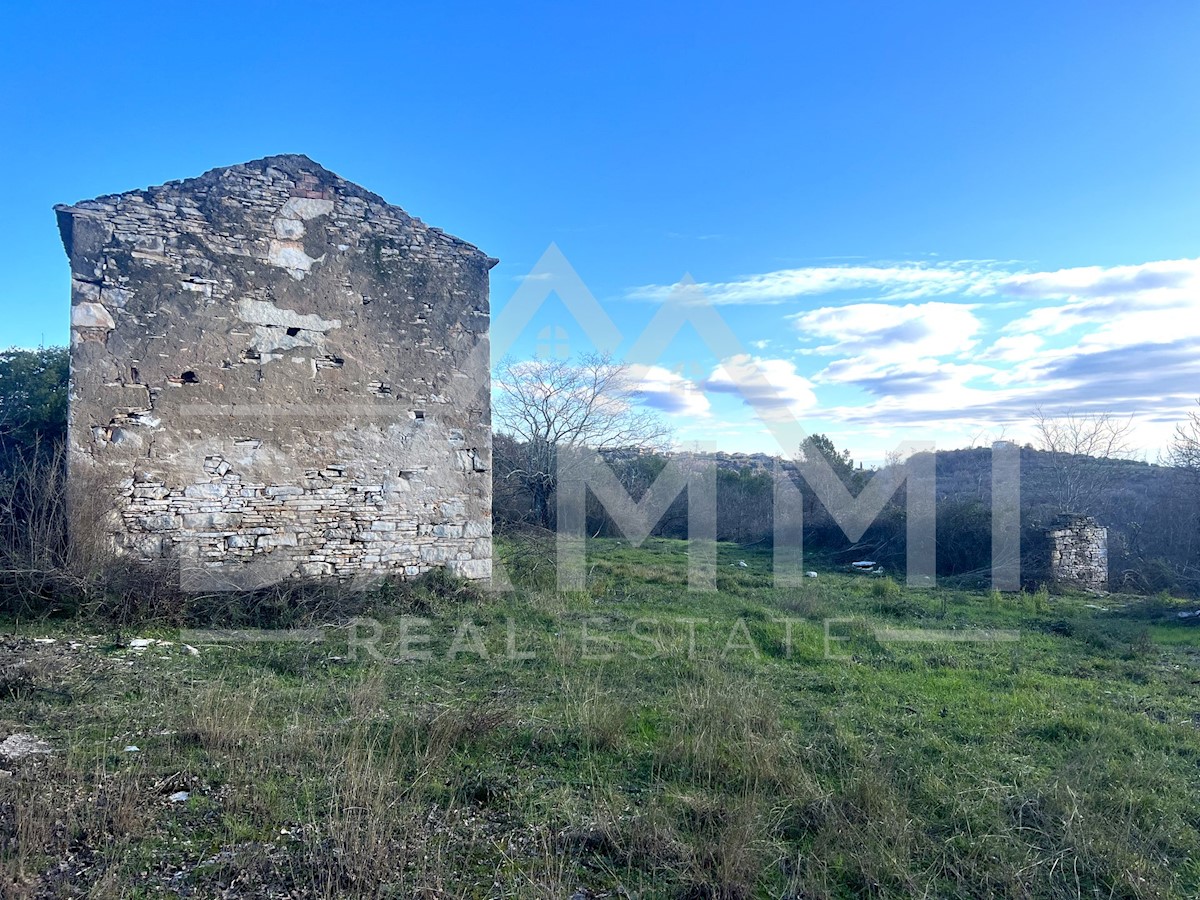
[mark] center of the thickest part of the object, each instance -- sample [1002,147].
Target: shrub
[886,589]
[1040,599]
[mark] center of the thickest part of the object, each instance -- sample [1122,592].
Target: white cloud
[1118,306]
[908,379]
[772,387]
[974,344]
[1105,281]
[901,281]
[885,332]
[668,391]
[1153,383]
[1014,348]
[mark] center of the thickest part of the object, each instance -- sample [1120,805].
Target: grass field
[632,740]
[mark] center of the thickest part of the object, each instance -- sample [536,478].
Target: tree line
[544,407]
[1079,466]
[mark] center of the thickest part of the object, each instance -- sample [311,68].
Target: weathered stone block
[472,568]
[278,490]
[210,521]
[478,528]
[205,491]
[438,553]
[158,522]
[453,509]
[267,541]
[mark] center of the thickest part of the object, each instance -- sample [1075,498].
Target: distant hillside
[1150,510]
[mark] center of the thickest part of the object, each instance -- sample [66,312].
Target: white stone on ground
[16,747]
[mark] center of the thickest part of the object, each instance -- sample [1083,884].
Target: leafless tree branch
[544,406]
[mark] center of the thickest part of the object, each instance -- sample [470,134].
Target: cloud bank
[969,341]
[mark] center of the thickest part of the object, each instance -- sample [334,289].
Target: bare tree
[1180,526]
[1185,445]
[545,406]
[1075,443]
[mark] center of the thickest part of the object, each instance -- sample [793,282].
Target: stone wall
[280,374]
[1079,553]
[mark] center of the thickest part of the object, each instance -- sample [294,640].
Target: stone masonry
[279,374]
[1079,553]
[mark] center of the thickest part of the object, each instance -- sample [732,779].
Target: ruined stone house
[277,373]
[1078,553]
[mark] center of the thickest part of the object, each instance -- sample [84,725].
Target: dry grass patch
[725,731]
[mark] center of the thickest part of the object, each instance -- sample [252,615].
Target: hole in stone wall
[418,414]
[133,374]
[189,377]
[292,332]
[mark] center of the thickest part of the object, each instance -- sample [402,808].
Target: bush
[1039,600]
[886,588]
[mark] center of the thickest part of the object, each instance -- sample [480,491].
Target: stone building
[1078,553]
[280,374]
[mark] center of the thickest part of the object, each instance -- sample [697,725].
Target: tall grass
[56,550]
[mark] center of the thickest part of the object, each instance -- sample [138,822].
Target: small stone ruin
[1078,548]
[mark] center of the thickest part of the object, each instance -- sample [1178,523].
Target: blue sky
[919,220]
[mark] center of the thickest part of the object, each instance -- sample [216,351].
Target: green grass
[656,744]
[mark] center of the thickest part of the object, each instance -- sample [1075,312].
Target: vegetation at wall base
[658,743]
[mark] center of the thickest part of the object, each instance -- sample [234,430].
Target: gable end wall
[276,373]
